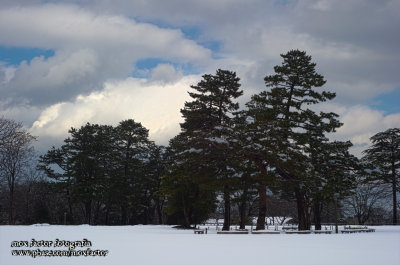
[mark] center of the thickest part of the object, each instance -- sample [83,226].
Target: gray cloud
[89,50]
[368,24]
[58,78]
[354,42]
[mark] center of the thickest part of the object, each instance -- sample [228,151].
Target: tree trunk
[227,210]
[124,215]
[360,222]
[11,208]
[69,200]
[308,215]
[317,214]
[146,215]
[262,194]
[97,213]
[160,216]
[106,217]
[11,186]
[88,212]
[242,209]
[185,213]
[71,217]
[262,207]
[27,205]
[301,210]
[394,193]
[159,211]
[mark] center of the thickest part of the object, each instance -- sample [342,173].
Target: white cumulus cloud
[155,104]
[360,123]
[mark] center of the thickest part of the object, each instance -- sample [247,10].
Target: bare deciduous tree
[367,197]
[16,152]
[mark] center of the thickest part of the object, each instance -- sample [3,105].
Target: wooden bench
[232,232]
[350,231]
[357,230]
[289,228]
[322,231]
[354,227]
[298,232]
[265,232]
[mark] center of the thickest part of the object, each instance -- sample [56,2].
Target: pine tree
[282,114]
[155,170]
[384,156]
[107,169]
[187,201]
[83,166]
[85,154]
[131,153]
[331,176]
[208,122]
[245,186]
[331,168]
[250,139]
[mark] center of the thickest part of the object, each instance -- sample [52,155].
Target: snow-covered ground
[139,245]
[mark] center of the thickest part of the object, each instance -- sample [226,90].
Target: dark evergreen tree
[84,156]
[244,183]
[282,114]
[330,177]
[132,147]
[331,168]
[384,158]
[56,166]
[188,202]
[208,121]
[245,139]
[112,171]
[155,170]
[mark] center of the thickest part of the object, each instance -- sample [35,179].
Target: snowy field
[140,245]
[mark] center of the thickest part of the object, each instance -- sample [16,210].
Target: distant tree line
[272,157]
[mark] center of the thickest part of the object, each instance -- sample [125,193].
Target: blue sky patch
[191,33]
[194,34]
[15,55]
[144,67]
[388,102]
[150,63]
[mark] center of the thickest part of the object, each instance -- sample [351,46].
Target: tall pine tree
[208,121]
[384,156]
[284,115]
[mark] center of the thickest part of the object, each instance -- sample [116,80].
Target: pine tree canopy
[385,153]
[212,102]
[384,160]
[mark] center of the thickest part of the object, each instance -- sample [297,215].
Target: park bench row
[363,230]
[287,231]
[204,231]
[277,232]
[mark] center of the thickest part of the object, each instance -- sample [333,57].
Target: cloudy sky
[65,63]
